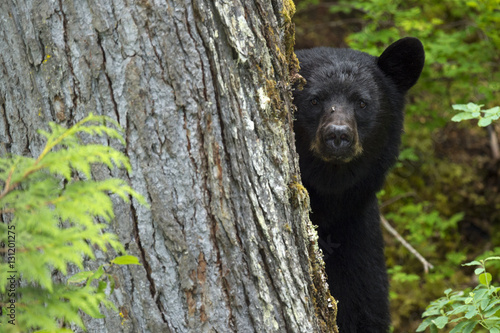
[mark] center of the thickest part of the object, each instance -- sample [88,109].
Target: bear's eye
[362,104]
[314,101]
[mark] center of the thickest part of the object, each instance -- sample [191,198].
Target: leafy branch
[480,307]
[486,117]
[473,111]
[51,206]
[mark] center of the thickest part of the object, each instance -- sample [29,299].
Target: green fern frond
[67,137]
[63,162]
[56,218]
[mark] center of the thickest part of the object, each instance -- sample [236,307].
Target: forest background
[443,195]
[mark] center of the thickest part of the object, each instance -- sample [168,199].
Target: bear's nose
[339,136]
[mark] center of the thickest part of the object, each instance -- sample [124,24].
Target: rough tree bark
[202,90]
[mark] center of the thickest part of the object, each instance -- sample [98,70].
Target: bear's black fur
[348,129]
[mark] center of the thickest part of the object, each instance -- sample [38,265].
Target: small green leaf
[423,325]
[432,311]
[459,327]
[492,304]
[470,326]
[484,303]
[485,279]
[483,122]
[471,314]
[441,321]
[461,107]
[492,311]
[474,107]
[112,283]
[462,116]
[479,293]
[460,309]
[479,270]
[99,272]
[126,260]
[472,263]
[494,110]
[102,286]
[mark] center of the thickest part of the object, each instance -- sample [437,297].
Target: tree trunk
[202,89]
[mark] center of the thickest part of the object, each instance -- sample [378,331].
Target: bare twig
[427,265]
[7,186]
[495,150]
[396,198]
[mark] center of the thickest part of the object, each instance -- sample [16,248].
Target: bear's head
[351,107]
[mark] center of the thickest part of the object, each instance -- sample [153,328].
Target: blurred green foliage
[467,311]
[56,217]
[473,111]
[442,196]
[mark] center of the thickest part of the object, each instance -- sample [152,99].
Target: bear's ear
[403,61]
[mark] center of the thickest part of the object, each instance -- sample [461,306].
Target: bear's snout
[336,141]
[338,136]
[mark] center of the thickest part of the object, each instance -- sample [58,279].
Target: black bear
[348,128]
